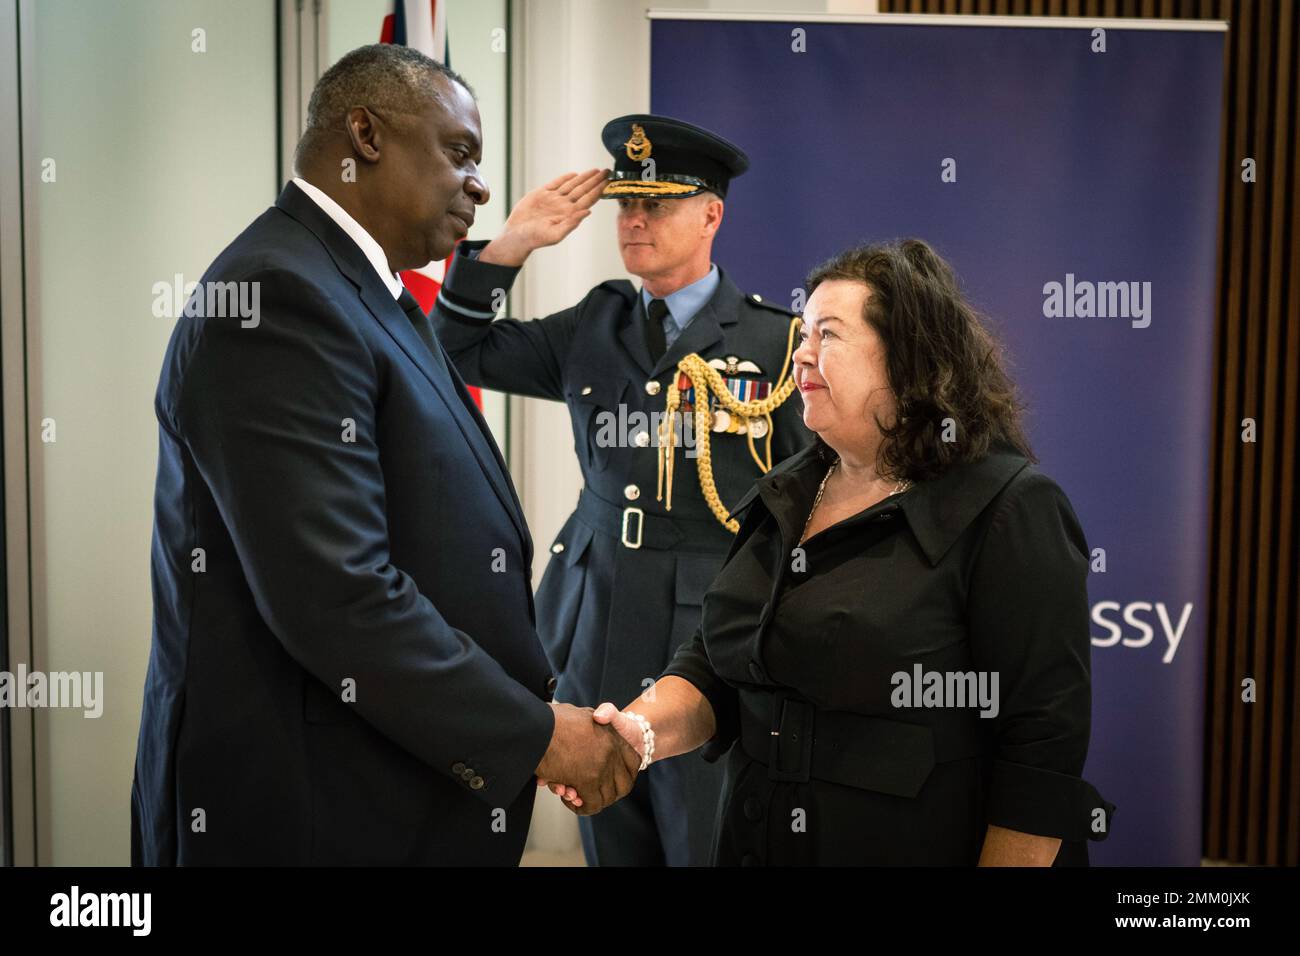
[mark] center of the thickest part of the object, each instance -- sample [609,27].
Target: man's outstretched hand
[592,759]
[628,729]
[545,216]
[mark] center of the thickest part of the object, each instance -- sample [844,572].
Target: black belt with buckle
[798,741]
[636,529]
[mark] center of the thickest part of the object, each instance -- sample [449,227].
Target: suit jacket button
[753,809]
[458,768]
[476,783]
[652,387]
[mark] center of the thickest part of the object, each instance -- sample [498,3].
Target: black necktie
[411,306]
[654,328]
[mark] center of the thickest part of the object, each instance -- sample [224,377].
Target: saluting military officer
[630,567]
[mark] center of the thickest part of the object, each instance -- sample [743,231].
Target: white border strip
[951,20]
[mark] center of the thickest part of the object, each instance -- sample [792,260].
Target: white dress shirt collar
[366,242]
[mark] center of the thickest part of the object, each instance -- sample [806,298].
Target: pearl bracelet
[647,738]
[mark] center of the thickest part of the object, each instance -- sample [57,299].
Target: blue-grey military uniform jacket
[627,576]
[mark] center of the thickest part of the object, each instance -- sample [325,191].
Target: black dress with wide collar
[980,571]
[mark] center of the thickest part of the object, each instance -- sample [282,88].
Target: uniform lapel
[632,335]
[706,330]
[707,327]
[703,332]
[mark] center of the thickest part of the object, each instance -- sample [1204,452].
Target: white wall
[162,156]
[350,24]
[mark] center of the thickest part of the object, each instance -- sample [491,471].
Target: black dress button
[753,809]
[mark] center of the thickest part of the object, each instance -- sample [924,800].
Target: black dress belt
[636,529]
[798,741]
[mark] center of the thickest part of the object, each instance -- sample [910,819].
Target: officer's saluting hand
[545,216]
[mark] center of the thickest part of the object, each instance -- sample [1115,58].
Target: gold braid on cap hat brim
[706,379]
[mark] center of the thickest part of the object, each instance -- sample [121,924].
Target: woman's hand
[627,728]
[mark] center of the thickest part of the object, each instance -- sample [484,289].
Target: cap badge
[638,147]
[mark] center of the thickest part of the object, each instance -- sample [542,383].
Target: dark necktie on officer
[654,328]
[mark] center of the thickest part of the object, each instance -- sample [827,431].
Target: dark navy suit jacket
[345,666]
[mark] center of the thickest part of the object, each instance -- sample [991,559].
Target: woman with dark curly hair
[895,656]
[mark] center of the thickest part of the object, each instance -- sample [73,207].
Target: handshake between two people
[593,758]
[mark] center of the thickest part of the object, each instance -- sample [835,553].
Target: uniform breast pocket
[600,420]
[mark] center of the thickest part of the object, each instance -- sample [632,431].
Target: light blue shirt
[685,303]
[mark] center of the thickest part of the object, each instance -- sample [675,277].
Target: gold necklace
[821,490]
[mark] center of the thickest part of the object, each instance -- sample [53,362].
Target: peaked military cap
[658,157]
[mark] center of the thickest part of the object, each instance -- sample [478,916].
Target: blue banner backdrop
[1026,157]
